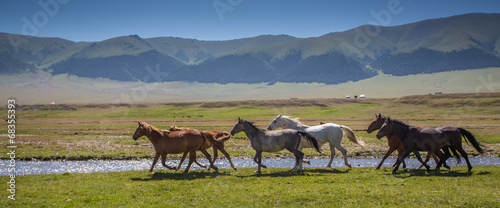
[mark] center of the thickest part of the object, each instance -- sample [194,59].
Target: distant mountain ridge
[469,41]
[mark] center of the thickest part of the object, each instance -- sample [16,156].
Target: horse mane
[254,126]
[400,122]
[155,130]
[295,120]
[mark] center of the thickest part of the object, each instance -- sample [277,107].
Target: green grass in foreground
[357,187]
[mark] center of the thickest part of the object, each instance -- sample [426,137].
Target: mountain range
[469,41]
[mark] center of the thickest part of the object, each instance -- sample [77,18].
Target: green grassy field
[98,131]
[276,187]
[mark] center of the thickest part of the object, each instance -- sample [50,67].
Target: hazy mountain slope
[469,41]
[128,58]
[191,51]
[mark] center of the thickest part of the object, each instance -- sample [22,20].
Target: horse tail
[311,139]
[209,137]
[222,137]
[351,136]
[466,134]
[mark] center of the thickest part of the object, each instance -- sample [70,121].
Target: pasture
[342,187]
[98,131]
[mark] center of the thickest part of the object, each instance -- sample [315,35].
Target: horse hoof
[377,168]
[258,172]
[394,172]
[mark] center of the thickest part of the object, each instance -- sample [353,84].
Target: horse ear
[280,115]
[388,119]
[379,115]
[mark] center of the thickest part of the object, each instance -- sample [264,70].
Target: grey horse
[273,141]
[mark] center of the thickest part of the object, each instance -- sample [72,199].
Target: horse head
[376,123]
[385,129]
[238,127]
[276,123]
[141,130]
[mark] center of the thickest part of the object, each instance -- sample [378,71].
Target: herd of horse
[294,136]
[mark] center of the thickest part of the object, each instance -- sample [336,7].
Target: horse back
[176,142]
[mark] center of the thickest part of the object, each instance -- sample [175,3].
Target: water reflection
[50,167]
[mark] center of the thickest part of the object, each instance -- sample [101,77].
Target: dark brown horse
[394,143]
[417,139]
[173,142]
[219,136]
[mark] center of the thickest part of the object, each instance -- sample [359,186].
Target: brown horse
[173,142]
[395,144]
[219,136]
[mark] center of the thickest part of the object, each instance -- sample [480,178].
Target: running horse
[219,136]
[173,142]
[326,132]
[273,141]
[417,139]
[395,143]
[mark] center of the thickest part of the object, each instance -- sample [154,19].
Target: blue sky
[96,20]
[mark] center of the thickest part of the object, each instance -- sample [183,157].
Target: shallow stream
[57,167]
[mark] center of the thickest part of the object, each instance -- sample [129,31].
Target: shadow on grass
[157,176]
[432,173]
[287,173]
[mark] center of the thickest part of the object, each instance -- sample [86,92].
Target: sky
[97,20]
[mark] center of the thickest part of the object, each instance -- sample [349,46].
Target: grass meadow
[98,131]
[275,187]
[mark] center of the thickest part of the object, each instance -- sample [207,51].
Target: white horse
[328,132]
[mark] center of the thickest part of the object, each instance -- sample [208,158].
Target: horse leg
[447,155]
[215,154]
[163,162]
[417,154]
[401,151]
[157,156]
[427,158]
[258,159]
[344,154]
[299,157]
[332,155]
[389,152]
[204,151]
[464,154]
[192,157]
[400,159]
[227,156]
[303,160]
[182,160]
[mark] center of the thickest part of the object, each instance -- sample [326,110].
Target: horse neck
[295,124]
[154,135]
[250,130]
[401,130]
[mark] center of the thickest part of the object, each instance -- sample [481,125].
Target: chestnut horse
[219,136]
[173,142]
